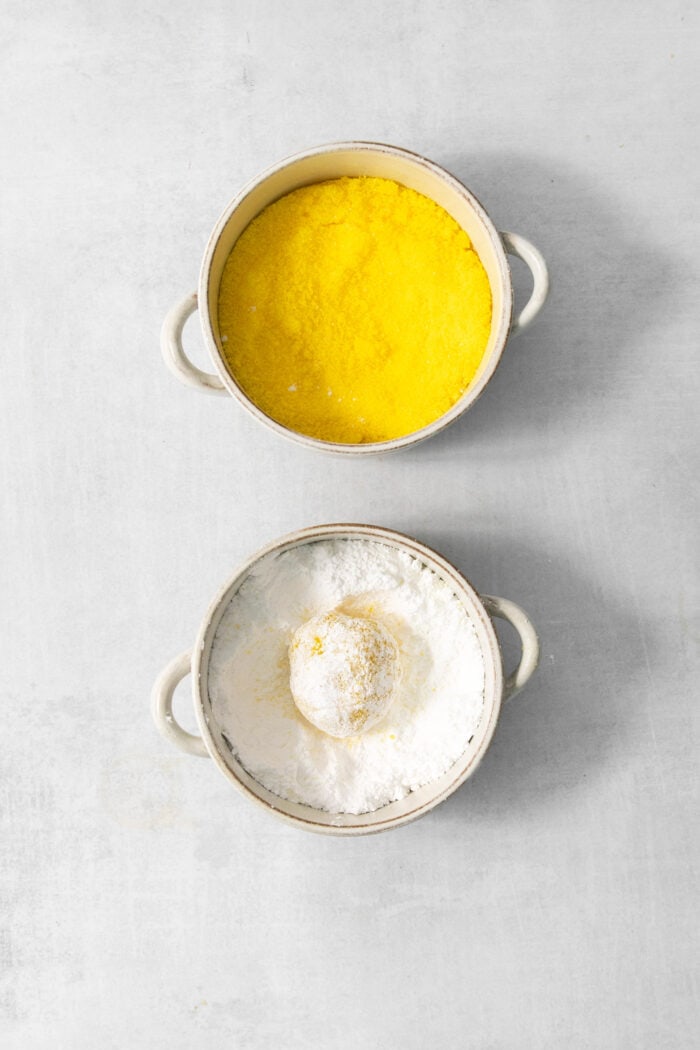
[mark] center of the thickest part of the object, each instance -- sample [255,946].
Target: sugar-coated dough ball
[344,672]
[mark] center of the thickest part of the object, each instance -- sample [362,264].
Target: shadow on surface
[575,714]
[609,284]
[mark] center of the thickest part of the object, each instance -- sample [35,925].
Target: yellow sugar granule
[354,310]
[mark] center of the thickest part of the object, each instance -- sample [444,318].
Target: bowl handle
[514,615]
[174,355]
[516,245]
[162,706]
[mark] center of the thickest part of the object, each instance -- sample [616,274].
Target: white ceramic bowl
[211,742]
[332,162]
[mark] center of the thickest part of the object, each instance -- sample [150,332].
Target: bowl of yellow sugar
[356,298]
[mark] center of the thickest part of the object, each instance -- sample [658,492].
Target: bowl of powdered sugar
[347,678]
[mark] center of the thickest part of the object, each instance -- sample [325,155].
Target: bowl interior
[384,162]
[416,803]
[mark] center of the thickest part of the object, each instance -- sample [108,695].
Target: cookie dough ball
[345,672]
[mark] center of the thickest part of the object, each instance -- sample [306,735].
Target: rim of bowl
[447,571]
[473,391]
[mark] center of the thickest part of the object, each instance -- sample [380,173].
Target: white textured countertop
[546,904]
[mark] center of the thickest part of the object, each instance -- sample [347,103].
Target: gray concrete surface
[551,902]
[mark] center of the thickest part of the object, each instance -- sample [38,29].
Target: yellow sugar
[354,310]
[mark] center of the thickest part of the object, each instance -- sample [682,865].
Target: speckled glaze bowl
[211,742]
[332,162]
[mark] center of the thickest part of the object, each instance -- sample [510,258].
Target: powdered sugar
[429,723]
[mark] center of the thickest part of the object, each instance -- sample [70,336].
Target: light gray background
[550,902]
